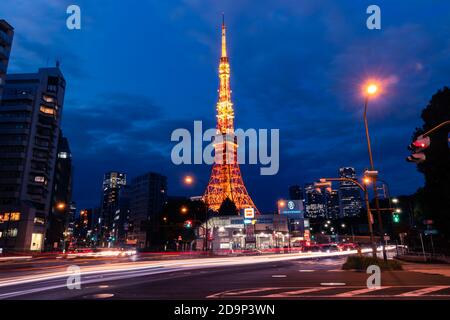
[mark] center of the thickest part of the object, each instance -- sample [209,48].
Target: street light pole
[374,181]
[369,214]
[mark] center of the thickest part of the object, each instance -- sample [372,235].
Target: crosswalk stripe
[234,293]
[295,292]
[421,292]
[360,291]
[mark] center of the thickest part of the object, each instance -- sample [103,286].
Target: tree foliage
[435,196]
[228,208]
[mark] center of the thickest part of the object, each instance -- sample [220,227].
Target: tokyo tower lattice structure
[226,179]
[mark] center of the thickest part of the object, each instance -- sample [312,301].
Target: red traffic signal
[420,144]
[417,146]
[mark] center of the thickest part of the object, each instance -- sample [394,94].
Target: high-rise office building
[112,183]
[122,217]
[148,195]
[6,39]
[30,118]
[315,202]
[350,201]
[295,193]
[60,209]
[333,208]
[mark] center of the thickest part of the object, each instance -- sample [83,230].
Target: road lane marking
[295,292]
[336,270]
[279,276]
[421,292]
[235,293]
[306,270]
[332,283]
[360,291]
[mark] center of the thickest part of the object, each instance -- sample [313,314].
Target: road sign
[428,222]
[387,238]
[249,213]
[430,232]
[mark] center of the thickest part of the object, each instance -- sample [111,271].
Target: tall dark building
[6,39]
[112,183]
[30,118]
[60,209]
[315,202]
[122,217]
[349,194]
[333,208]
[295,193]
[147,198]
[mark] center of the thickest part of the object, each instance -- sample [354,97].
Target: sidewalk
[439,269]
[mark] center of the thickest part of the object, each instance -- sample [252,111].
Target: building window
[39,179]
[48,99]
[36,241]
[11,233]
[38,220]
[47,110]
[62,155]
[9,216]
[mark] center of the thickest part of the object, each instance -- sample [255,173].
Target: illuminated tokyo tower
[226,180]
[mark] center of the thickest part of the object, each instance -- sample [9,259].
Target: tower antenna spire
[224,37]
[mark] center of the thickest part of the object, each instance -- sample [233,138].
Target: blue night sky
[137,70]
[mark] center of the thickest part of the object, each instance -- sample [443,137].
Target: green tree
[435,196]
[228,208]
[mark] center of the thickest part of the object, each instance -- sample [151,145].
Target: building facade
[112,183]
[296,193]
[350,200]
[148,194]
[30,119]
[60,209]
[6,39]
[315,202]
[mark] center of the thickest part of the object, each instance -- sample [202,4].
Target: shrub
[361,263]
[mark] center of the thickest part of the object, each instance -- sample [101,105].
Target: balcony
[2,67]
[12,155]
[14,130]
[5,38]
[17,107]
[4,53]
[14,142]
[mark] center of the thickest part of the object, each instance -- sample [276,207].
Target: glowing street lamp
[395,200]
[188,180]
[60,206]
[367,180]
[184,210]
[371,90]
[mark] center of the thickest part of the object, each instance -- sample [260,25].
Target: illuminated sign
[249,213]
[292,207]
[247,221]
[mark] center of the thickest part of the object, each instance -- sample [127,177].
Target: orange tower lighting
[226,179]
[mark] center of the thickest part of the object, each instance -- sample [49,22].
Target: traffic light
[396,218]
[417,147]
[188,224]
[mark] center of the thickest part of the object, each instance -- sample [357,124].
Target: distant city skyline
[296,68]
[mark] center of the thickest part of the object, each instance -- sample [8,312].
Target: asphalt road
[224,278]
